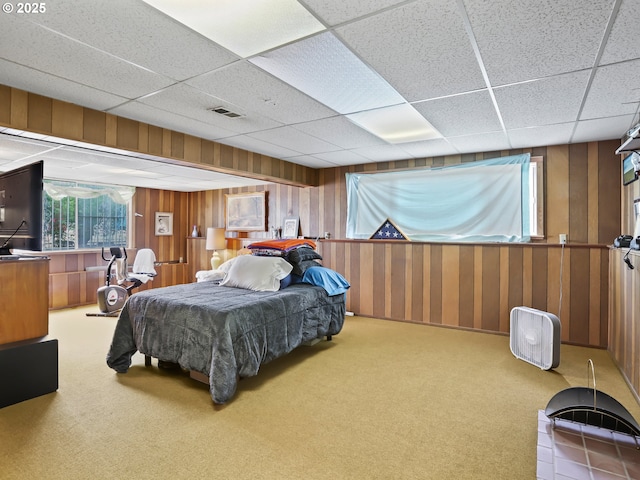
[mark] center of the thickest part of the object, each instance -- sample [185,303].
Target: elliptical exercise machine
[111,298]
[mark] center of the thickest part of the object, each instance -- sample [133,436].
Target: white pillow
[226,266]
[262,274]
[210,275]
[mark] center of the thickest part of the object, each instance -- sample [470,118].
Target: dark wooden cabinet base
[28,369]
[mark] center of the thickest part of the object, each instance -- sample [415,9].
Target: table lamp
[215,241]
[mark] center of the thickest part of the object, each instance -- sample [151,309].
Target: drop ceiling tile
[13,164]
[538,136]
[485,142]
[139,182]
[603,128]
[247,27]
[623,41]
[614,91]
[87,165]
[340,158]
[323,68]
[173,121]
[61,162]
[420,48]
[15,148]
[262,147]
[35,81]
[148,174]
[461,114]
[289,137]
[141,35]
[342,132]
[56,170]
[542,102]
[102,170]
[81,156]
[51,172]
[428,148]
[194,104]
[8,156]
[520,40]
[173,170]
[254,90]
[382,153]
[334,12]
[311,161]
[44,50]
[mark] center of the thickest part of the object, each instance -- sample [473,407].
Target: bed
[223,332]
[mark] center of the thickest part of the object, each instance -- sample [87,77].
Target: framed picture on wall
[164,223]
[290,227]
[245,212]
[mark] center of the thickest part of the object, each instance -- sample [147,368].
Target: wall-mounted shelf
[632,142]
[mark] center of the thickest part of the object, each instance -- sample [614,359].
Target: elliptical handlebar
[116,252]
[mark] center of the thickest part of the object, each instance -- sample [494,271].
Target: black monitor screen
[21,208]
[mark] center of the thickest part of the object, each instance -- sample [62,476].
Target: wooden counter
[24,290]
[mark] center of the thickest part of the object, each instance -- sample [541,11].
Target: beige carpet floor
[383,400]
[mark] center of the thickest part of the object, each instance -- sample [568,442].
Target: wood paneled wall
[147,202]
[70,284]
[624,315]
[465,285]
[624,303]
[582,194]
[476,286]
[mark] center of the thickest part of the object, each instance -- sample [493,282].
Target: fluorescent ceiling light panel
[396,124]
[323,68]
[245,27]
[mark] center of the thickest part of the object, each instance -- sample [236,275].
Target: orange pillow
[284,244]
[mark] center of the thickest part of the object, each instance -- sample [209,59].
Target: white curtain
[484,201]
[118,194]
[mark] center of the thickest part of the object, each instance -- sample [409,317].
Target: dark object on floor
[591,407]
[168,365]
[28,369]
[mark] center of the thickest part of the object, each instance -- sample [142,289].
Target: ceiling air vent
[225,112]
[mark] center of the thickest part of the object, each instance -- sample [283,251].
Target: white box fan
[535,337]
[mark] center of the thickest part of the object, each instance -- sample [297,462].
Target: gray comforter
[222,332]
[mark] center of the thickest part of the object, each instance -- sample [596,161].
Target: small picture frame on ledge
[290,227]
[164,223]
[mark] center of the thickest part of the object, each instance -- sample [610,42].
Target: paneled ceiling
[487,75]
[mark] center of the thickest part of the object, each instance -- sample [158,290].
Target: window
[536,191]
[79,216]
[495,200]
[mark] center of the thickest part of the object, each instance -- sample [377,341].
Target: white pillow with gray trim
[262,274]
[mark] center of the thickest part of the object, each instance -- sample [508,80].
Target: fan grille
[535,337]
